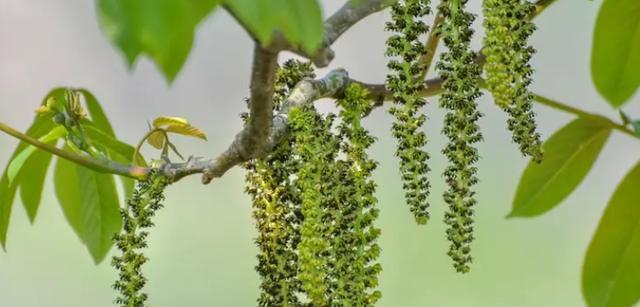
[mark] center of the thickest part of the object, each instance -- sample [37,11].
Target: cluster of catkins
[508,76]
[146,199]
[314,205]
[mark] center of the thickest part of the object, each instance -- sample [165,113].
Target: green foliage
[161,29]
[18,162]
[300,21]
[89,199]
[572,151]
[405,83]
[611,274]
[31,188]
[141,207]
[460,74]
[507,52]
[164,29]
[90,204]
[41,125]
[615,57]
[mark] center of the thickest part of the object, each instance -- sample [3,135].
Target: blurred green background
[202,251]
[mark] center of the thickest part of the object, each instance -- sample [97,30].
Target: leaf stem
[136,152]
[102,166]
[554,104]
[541,6]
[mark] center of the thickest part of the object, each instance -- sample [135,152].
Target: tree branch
[431,46]
[305,92]
[556,105]
[343,19]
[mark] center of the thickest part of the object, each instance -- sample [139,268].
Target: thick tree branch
[253,137]
[307,91]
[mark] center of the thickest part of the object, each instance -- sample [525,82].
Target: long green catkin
[508,54]
[460,74]
[316,148]
[405,83]
[355,247]
[146,199]
[276,206]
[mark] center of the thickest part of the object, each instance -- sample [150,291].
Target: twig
[581,113]
[98,165]
[431,46]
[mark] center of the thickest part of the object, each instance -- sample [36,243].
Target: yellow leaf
[43,109]
[157,139]
[178,125]
[169,121]
[188,131]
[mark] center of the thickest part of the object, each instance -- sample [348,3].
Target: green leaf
[636,127]
[300,21]
[98,117]
[100,131]
[90,203]
[29,169]
[615,58]
[161,29]
[7,193]
[32,185]
[611,272]
[116,150]
[19,160]
[568,157]
[40,126]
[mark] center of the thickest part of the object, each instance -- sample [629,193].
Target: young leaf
[19,160]
[116,150]
[188,131]
[157,139]
[90,203]
[98,117]
[40,126]
[300,21]
[161,29]
[615,57]
[32,184]
[176,125]
[161,121]
[7,193]
[29,169]
[568,156]
[611,272]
